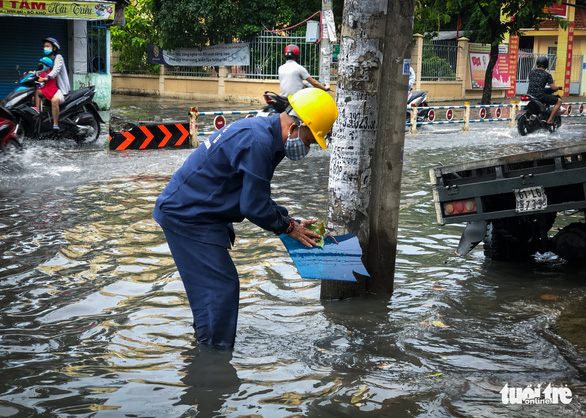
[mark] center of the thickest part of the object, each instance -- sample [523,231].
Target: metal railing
[439,61]
[266,56]
[485,113]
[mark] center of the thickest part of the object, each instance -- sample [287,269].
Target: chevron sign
[151,136]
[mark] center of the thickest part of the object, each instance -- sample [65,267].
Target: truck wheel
[570,243]
[515,239]
[500,245]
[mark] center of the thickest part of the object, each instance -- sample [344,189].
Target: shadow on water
[94,320]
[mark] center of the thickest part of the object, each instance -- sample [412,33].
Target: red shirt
[49,87]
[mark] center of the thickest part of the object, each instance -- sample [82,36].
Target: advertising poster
[479,57]
[87,10]
[227,54]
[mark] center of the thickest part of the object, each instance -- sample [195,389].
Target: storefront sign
[479,57]
[560,10]
[229,55]
[86,10]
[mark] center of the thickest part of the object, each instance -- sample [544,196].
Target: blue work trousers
[212,286]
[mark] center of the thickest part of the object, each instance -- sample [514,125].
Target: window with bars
[96,47]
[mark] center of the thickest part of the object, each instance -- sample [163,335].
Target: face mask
[48,51]
[295,149]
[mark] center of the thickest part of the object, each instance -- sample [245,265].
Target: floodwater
[94,320]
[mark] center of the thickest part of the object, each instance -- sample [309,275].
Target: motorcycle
[274,104]
[534,114]
[78,114]
[418,98]
[9,141]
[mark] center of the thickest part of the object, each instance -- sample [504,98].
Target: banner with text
[226,54]
[479,57]
[59,9]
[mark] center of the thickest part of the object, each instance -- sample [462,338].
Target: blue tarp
[336,261]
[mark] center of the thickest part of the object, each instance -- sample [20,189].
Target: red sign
[449,114]
[569,58]
[219,122]
[559,9]
[513,59]
[431,115]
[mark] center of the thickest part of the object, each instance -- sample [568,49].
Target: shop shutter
[21,44]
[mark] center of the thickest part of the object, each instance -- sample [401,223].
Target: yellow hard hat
[317,110]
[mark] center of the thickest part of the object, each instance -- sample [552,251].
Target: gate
[576,74]
[526,63]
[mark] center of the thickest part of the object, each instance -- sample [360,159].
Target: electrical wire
[321,31]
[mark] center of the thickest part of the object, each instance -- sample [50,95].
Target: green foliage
[481,20]
[191,23]
[132,39]
[435,67]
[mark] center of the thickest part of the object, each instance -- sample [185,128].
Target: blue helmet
[46,61]
[53,42]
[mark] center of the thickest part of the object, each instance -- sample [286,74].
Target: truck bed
[491,184]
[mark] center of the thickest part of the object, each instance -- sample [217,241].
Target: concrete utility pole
[368,137]
[325,48]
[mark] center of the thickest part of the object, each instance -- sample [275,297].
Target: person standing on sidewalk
[225,180]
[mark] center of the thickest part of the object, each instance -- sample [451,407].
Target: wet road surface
[94,320]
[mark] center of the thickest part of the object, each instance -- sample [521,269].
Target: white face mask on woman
[48,51]
[295,149]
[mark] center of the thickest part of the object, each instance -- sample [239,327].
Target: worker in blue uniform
[226,180]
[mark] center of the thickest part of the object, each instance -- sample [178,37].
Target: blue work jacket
[226,179]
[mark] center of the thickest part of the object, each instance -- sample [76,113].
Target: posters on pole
[328,22]
[216,55]
[479,56]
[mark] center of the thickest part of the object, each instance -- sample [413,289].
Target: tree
[132,39]
[489,22]
[187,23]
[190,23]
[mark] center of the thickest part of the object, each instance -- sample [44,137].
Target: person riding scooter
[59,73]
[292,74]
[539,78]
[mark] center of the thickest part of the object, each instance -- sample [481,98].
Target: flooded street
[94,320]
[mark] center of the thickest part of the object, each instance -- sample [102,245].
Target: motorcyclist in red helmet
[292,75]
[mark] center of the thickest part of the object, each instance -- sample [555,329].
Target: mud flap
[472,235]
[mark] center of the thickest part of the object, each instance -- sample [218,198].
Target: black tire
[516,239]
[522,126]
[499,245]
[570,243]
[94,133]
[557,122]
[11,147]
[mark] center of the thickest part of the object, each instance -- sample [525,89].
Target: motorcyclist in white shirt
[292,74]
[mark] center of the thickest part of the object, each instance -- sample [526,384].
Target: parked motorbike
[9,142]
[78,114]
[418,98]
[534,115]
